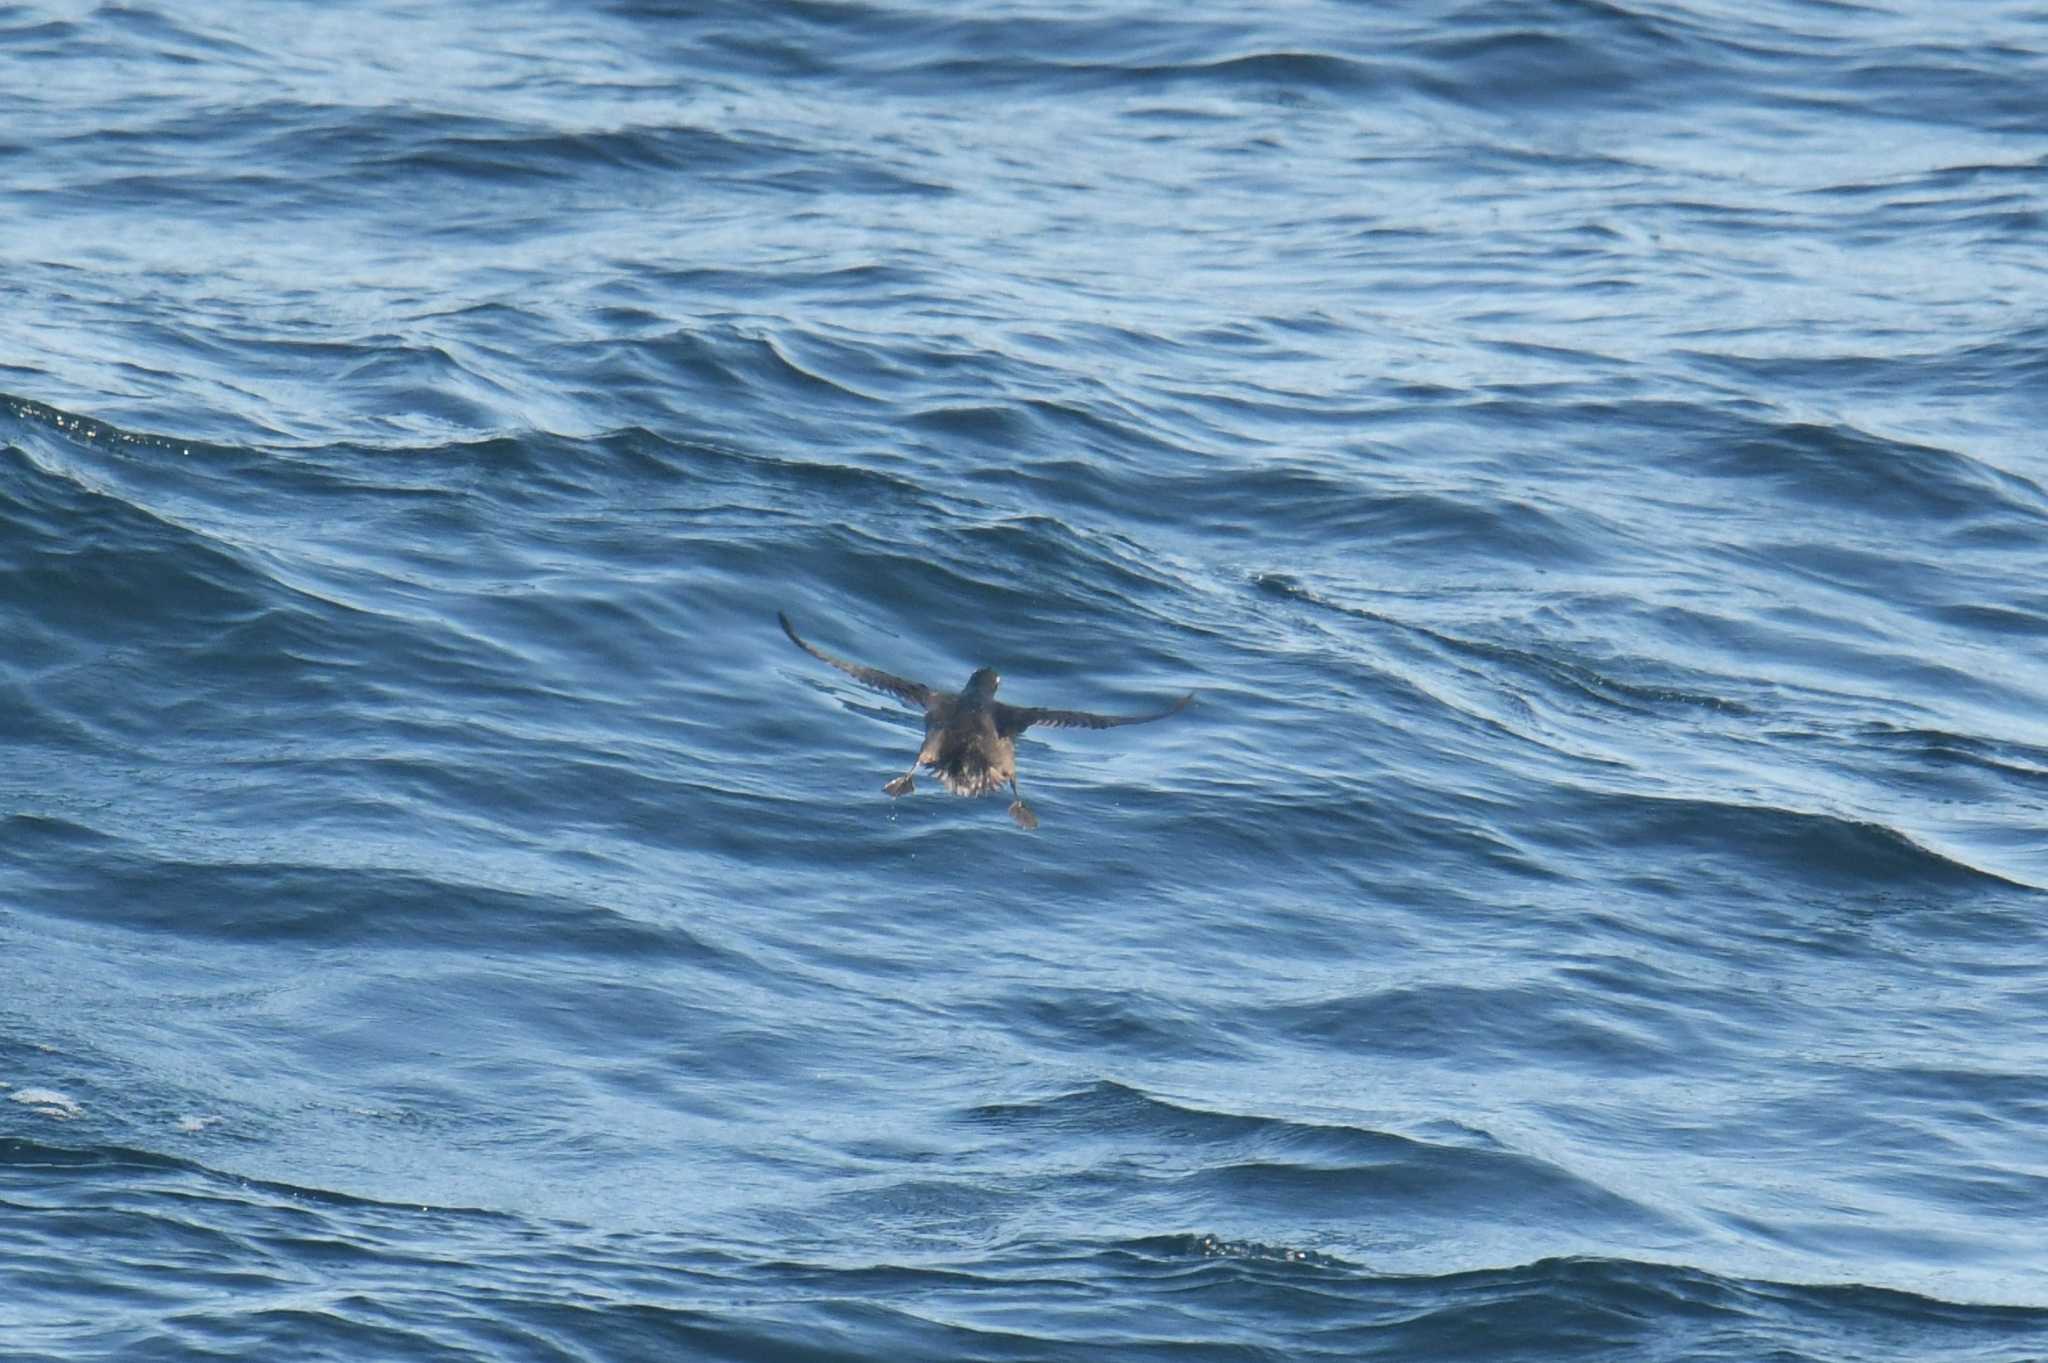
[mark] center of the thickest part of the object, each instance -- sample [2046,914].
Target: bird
[970,737]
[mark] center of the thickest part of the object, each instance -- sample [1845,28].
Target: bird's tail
[967,774]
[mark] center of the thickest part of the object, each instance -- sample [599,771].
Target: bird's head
[982,685]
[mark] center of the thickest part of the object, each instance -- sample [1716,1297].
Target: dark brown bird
[970,737]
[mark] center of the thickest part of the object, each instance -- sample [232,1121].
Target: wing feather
[1012,720]
[905,690]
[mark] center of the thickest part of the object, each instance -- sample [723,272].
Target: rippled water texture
[1585,457]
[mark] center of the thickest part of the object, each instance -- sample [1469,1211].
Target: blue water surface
[1584,455]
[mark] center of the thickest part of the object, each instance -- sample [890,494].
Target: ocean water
[1585,456]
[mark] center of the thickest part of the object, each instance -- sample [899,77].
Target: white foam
[49,1103]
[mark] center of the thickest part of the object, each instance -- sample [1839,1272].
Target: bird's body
[964,744]
[970,737]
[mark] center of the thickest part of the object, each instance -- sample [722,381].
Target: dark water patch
[376,148]
[509,152]
[738,361]
[1253,1166]
[1107,431]
[2019,1098]
[128,1169]
[97,573]
[167,37]
[1054,556]
[1114,1113]
[1338,514]
[1977,618]
[997,428]
[1107,1108]
[1277,74]
[48,34]
[44,835]
[1536,57]
[1842,470]
[1136,54]
[1331,835]
[2003,758]
[1642,686]
[1949,84]
[330,905]
[1479,1025]
[1764,841]
[1096,1021]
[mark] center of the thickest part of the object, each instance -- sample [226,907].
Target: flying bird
[970,737]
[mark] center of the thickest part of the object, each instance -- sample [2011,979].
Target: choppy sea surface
[1586,457]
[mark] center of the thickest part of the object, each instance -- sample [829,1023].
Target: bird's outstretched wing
[909,692]
[1012,720]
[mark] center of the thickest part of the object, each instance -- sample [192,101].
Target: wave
[273,1268]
